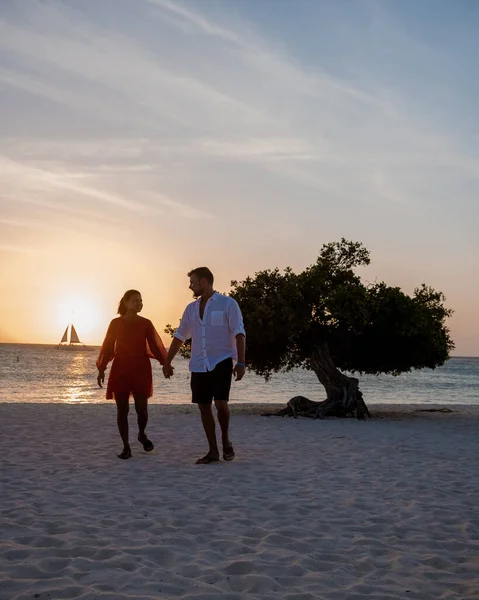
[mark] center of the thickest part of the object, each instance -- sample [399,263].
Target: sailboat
[70,340]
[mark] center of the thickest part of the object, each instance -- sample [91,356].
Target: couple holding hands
[214,324]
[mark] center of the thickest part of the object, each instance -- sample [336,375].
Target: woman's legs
[141,407]
[122,409]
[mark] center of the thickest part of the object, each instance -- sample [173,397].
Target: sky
[142,138]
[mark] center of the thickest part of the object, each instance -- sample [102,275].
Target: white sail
[71,341]
[74,339]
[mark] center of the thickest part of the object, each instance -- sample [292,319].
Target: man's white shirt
[213,338]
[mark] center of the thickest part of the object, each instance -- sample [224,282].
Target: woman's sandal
[228,453]
[126,453]
[146,443]
[206,460]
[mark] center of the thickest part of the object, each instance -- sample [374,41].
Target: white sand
[383,509]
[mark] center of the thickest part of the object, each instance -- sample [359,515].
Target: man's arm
[168,369]
[176,344]
[235,323]
[241,348]
[240,367]
[181,334]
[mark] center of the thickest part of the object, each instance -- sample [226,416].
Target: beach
[337,509]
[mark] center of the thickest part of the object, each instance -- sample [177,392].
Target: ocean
[40,373]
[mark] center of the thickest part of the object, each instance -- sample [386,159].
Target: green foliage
[368,329]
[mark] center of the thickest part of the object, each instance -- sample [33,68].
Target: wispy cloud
[269,62]
[64,191]
[258,149]
[26,224]
[37,180]
[122,71]
[257,105]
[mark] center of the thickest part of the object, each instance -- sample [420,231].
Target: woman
[130,340]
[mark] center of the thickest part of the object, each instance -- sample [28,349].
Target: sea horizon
[98,346]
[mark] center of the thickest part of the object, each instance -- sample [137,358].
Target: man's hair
[202,272]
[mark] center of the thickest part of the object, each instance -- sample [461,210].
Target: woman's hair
[126,296]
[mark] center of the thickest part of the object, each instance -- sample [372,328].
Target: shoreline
[378,411]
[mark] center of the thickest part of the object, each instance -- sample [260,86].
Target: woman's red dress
[131,344]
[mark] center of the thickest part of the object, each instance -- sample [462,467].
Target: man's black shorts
[212,385]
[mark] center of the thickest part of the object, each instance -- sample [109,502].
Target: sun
[81,311]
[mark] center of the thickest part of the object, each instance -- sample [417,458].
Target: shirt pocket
[217,318]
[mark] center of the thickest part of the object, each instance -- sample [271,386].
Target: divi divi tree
[327,320]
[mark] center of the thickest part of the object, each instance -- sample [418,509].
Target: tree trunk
[344,398]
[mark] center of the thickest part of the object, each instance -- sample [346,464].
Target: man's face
[196,286]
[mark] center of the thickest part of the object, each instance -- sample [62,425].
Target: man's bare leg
[224,421]
[209,427]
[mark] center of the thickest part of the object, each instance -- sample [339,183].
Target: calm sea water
[36,373]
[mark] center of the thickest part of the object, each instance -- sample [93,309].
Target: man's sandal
[126,453]
[146,443]
[228,453]
[206,460]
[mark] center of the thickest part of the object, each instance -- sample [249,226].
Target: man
[215,326]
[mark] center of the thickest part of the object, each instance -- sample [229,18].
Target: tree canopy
[367,328]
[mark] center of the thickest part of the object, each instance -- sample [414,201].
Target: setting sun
[81,311]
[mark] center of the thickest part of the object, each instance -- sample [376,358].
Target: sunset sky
[142,138]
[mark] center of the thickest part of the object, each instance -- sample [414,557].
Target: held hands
[239,371]
[168,370]
[101,377]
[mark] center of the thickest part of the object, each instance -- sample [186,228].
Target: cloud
[254,149]
[179,209]
[61,190]
[166,94]
[200,22]
[27,224]
[268,62]
[60,50]
[17,177]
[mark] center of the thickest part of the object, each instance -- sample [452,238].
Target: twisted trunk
[344,397]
